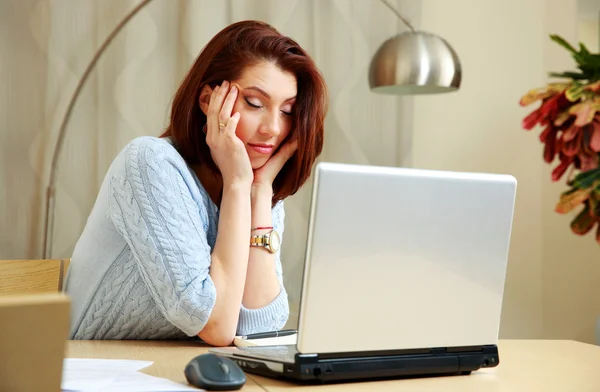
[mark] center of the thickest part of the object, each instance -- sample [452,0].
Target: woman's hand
[226,148]
[264,177]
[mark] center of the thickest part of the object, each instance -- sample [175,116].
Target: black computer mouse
[214,373]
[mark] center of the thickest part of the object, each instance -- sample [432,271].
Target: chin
[258,163]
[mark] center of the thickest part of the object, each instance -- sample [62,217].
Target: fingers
[292,147]
[227,107]
[284,154]
[210,114]
[232,124]
[287,150]
[214,108]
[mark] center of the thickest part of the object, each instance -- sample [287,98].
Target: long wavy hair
[225,57]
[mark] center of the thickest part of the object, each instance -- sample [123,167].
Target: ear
[204,98]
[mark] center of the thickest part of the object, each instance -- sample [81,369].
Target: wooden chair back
[32,276]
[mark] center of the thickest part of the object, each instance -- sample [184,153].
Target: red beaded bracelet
[262,228]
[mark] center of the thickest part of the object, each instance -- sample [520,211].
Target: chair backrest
[32,276]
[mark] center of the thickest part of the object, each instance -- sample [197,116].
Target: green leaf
[561,41]
[586,179]
[588,70]
[593,60]
[575,92]
[583,50]
[569,75]
[582,59]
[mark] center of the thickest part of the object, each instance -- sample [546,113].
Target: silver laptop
[404,276]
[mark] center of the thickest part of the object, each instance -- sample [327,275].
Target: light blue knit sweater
[140,269]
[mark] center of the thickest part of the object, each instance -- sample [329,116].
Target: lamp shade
[415,62]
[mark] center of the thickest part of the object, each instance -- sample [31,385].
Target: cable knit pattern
[140,269]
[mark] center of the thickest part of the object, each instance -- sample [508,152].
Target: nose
[272,126]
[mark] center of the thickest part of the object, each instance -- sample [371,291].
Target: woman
[183,238]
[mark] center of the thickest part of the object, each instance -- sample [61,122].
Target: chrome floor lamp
[412,62]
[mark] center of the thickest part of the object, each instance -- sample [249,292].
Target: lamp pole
[51,190]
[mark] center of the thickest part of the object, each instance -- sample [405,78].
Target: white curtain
[47,44]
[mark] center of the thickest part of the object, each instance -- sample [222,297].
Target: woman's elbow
[216,340]
[216,336]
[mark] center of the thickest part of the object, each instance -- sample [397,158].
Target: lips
[262,148]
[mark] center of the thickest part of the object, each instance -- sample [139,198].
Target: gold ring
[222,125]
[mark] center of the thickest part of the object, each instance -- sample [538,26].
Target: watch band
[269,241]
[259,240]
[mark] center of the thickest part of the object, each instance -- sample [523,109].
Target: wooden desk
[525,366]
[169,357]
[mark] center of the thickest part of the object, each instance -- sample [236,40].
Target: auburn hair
[225,57]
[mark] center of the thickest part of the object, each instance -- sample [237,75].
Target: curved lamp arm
[50,192]
[402,18]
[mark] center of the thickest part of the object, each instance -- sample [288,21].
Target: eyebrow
[263,92]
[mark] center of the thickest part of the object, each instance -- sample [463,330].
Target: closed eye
[260,107]
[251,104]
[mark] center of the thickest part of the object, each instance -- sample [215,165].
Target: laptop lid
[33,335]
[404,259]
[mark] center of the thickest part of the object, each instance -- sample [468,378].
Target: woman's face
[265,102]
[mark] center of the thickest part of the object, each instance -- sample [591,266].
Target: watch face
[274,241]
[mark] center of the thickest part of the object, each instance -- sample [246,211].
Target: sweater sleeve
[154,207]
[273,316]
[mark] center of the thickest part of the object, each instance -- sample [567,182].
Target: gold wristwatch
[270,241]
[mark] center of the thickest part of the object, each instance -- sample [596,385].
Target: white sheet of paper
[141,382]
[80,374]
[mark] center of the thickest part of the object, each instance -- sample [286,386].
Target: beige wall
[589,33]
[589,23]
[552,285]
